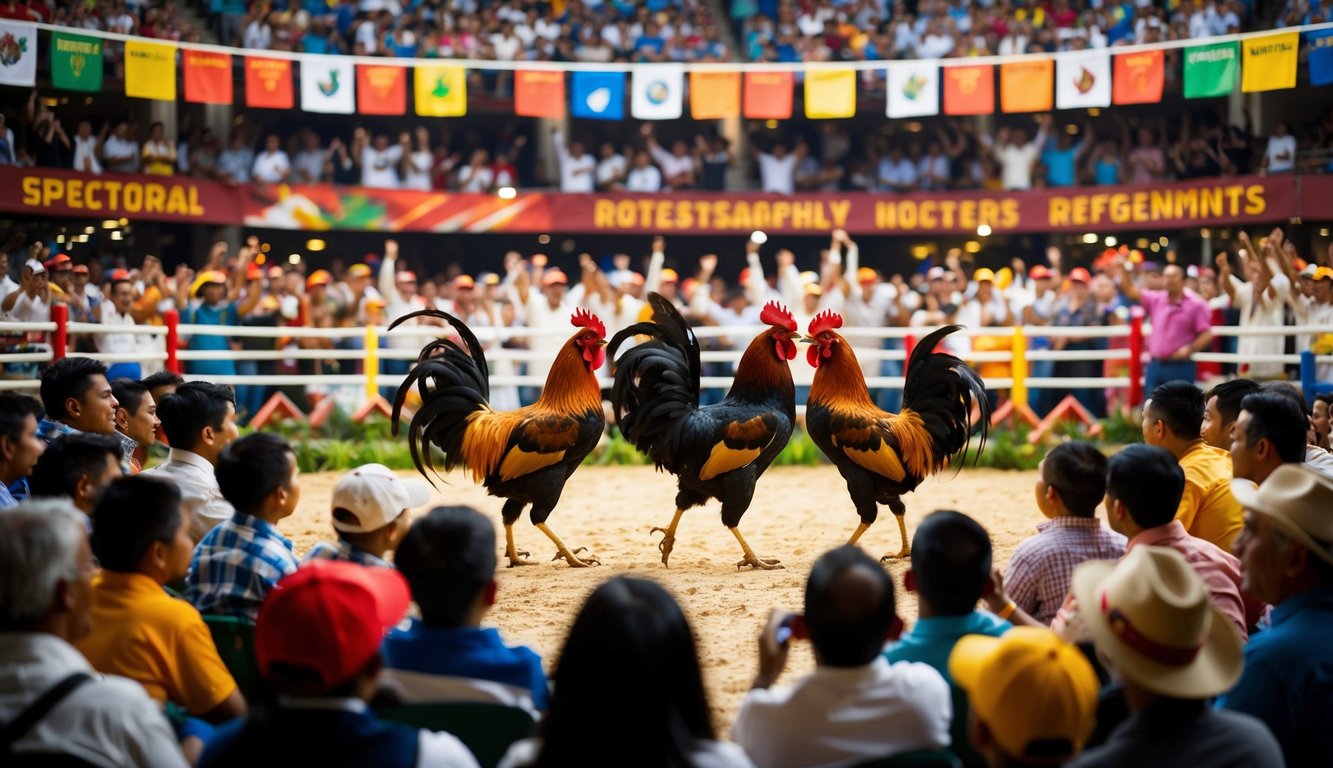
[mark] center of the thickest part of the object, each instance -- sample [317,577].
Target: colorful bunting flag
[440,91]
[150,70]
[1269,62]
[1025,86]
[268,83]
[76,62]
[1138,77]
[1211,70]
[830,94]
[18,53]
[207,76]
[1319,55]
[539,93]
[913,89]
[1083,79]
[657,92]
[969,90]
[768,95]
[715,95]
[381,89]
[328,85]
[597,95]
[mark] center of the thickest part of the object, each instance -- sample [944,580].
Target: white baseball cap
[35,266]
[375,496]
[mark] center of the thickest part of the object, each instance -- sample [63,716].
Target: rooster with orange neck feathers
[523,456]
[883,455]
[717,451]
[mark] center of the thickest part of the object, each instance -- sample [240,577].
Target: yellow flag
[1268,62]
[150,70]
[441,91]
[830,94]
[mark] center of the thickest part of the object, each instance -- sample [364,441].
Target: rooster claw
[574,560]
[517,558]
[902,554]
[763,563]
[667,543]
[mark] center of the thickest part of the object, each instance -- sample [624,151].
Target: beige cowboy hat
[1299,500]
[1152,617]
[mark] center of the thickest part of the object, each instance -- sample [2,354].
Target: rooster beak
[602,342]
[805,339]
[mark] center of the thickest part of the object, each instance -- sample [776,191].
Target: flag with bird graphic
[440,91]
[597,95]
[913,88]
[1083,79]
[328,85]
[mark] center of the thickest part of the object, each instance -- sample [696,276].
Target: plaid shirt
[236,565]
[1042,566]
[345,552]
[50,429]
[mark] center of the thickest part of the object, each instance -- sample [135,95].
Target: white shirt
[310,165]
[576,173]
[647,179]
[901,173]
[1283,147]
[7,286]
[417,177]
[380,168]
[1265,312]
[777,174]
[1016,164]
[117,343]
[201,498]
[271,167]
[475,180]
[844,715]
[106,721]
[85,155]
[611,169]
[30,309]
[671,165]
[117,147]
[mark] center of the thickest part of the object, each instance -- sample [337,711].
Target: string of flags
[1257,62]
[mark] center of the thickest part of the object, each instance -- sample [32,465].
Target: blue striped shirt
[236,564]
[343,551]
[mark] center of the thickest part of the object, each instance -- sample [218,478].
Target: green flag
[1211,70]
[76,62]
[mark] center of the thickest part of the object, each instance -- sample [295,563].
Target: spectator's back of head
[1148,481]
[40,543]
[951,562]
[78,467]
[69,379]
[1221,413]
[161,384]
[1176,406]
[133,514]
[198,416]
[19,445]
[849,607]
[254,468]
[1077,472]
[448,557]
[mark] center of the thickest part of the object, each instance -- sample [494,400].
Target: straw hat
[1152,616]
[1299,500]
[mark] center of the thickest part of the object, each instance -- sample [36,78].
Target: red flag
[768,95]
[268,83]
[207,76]
[539,93]
[969,90]
[1027,86]
[381,90]
[1137,78]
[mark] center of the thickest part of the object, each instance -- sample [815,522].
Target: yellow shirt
[161,642]
[1207,508]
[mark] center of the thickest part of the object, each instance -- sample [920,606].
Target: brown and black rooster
[716,451]
[883,455]
[523,456]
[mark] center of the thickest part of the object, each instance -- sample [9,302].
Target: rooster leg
[669,536]
[563,552]
[856,535]
[751,559]
[902,533]
[512,552]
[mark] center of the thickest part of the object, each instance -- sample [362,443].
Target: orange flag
[268,83]
[768,95]
[1137,78]
[1027,86]
[539,93]
[207,76]
[381,90]
[715,95]
[969,90]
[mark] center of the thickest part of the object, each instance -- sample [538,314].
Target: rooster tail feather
[942,389]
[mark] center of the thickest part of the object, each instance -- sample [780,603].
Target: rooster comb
[827,320]
[776,314]
[582,318]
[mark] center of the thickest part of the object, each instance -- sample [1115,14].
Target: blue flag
[1319,47]
[598,95]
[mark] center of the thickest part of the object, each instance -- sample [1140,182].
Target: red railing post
[172,318]
[1135,360]
[60,336]
[909,344]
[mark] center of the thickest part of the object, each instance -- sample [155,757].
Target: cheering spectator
[308,166]
[87,148]
[271,166]
[1016,155]
[777,168]
[1280,156]
[611,168]
[236,162]
[120,152]
[644,176]
[1181,321]
[379,160]
[677,166]
[477,176]
[159,152]
[577,167]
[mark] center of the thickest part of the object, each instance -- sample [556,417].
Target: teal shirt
[932,640]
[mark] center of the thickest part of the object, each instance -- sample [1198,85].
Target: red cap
[318,277]
[464,282]
[1080,275]
[59,261]
[80,269]
[407,276]
[554,277]
[1039,272]
[329,617]
[119,276]
[253,271]
[275,271]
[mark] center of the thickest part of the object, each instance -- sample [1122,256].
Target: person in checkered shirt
[1071,482]
[239,561]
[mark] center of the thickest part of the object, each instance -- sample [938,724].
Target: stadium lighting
[124,222]
[758,237]
[1323,232]
[1155,247]
[972,246]
[314,245]
[506,193]
[60,239]
[117,235]
[1090,238]
[89,230]
[1164,240]
[544,239]
[1110,241]
[983,230]
[83,238]
[110,224]
[295,258]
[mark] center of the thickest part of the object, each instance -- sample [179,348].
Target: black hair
[14,412]
[628,680]
[66,378]
[193,406]
[1179,405]
[1229,394]
[1077,471]
[133,513]
[1280,418]
[849,607]
[1325,398]
[447,556]
[951,560]
[162,379]
[129,393]
[1148,480]
[252,467]
[69,457]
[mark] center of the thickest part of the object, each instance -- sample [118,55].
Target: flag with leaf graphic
[440,91]
[328,85]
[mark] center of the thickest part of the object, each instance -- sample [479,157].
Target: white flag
[1083,79]
[658,92]
[18,53]
[914,89]
[328,84]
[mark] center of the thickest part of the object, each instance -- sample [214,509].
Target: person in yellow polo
[140,631]
[1172,419]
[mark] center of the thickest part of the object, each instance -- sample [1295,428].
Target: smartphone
[793,627]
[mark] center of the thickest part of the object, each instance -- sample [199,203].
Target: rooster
[882,455]
[523,456]
[717,451]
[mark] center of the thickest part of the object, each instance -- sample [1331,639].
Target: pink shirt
[1174,324]
[1220,570]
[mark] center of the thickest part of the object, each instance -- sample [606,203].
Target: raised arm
[755,287]
[653,280]
[1224,276]
[388,279]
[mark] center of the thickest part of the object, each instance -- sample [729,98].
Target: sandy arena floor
[797,514]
